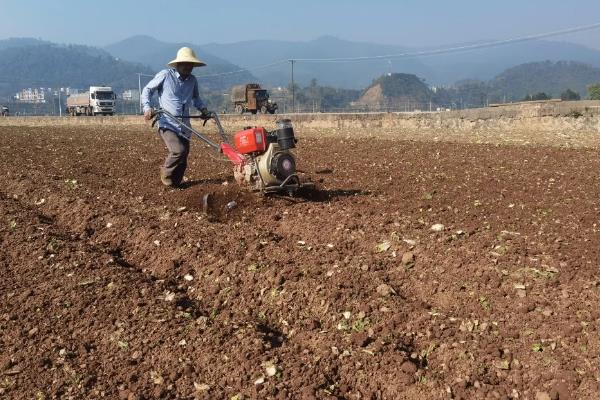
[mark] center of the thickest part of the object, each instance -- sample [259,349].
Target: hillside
[393,89]
[51,65]
[156,54]
[485,64]
[552,78]
[20,42]
[513,84]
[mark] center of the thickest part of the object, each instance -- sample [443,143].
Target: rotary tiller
[262,160]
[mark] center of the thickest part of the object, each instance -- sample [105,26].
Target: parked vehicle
[100,100]
[252,98]
[4,111]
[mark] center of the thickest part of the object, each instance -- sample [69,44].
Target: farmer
[177,91]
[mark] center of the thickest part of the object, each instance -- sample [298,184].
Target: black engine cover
[283,165]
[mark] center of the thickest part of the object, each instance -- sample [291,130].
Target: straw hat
[186,55]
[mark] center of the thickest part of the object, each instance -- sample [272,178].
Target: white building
[131,95]
[29,95]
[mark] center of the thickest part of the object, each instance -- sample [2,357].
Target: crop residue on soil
[416,270]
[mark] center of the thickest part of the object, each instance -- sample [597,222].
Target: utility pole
[140,74]
[140,91]
[59,103]
[293,88]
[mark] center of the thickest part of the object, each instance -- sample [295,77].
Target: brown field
[112,286]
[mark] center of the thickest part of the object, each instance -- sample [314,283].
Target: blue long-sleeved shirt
[174,95]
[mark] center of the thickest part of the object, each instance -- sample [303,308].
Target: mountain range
[443,69]
[30,63]
[156,54]
[552,79]
[26,62]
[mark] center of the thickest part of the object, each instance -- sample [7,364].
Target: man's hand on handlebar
[155,113]
[205,114]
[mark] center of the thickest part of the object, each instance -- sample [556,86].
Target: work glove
[204,113]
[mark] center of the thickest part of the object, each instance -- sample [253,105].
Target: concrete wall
[552,123]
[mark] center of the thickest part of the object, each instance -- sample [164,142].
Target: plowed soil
[415,270]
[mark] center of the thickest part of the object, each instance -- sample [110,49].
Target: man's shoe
[166,181]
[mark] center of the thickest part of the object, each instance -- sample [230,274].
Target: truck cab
[264,104]
[252,98]
[102,100]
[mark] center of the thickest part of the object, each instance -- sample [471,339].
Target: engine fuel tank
[251,140]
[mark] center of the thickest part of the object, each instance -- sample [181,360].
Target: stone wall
[571,123]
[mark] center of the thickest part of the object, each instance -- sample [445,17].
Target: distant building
[131,95]
[29,95]
[43,95]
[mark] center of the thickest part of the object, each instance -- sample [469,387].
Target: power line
[458,48]
[246,69]
[425,53]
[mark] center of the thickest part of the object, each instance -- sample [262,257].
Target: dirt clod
[385,290]
[542,396]
[408,259]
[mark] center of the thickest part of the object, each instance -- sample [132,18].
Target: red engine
[251,140]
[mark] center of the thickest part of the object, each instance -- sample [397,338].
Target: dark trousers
[176,161]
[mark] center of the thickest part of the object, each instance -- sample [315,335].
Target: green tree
[594,91]
[570,95]
[472,93]
[407,86]
[537,97]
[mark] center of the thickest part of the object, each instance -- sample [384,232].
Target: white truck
[100,100]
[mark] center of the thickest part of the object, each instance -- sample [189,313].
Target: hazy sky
[410,22]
